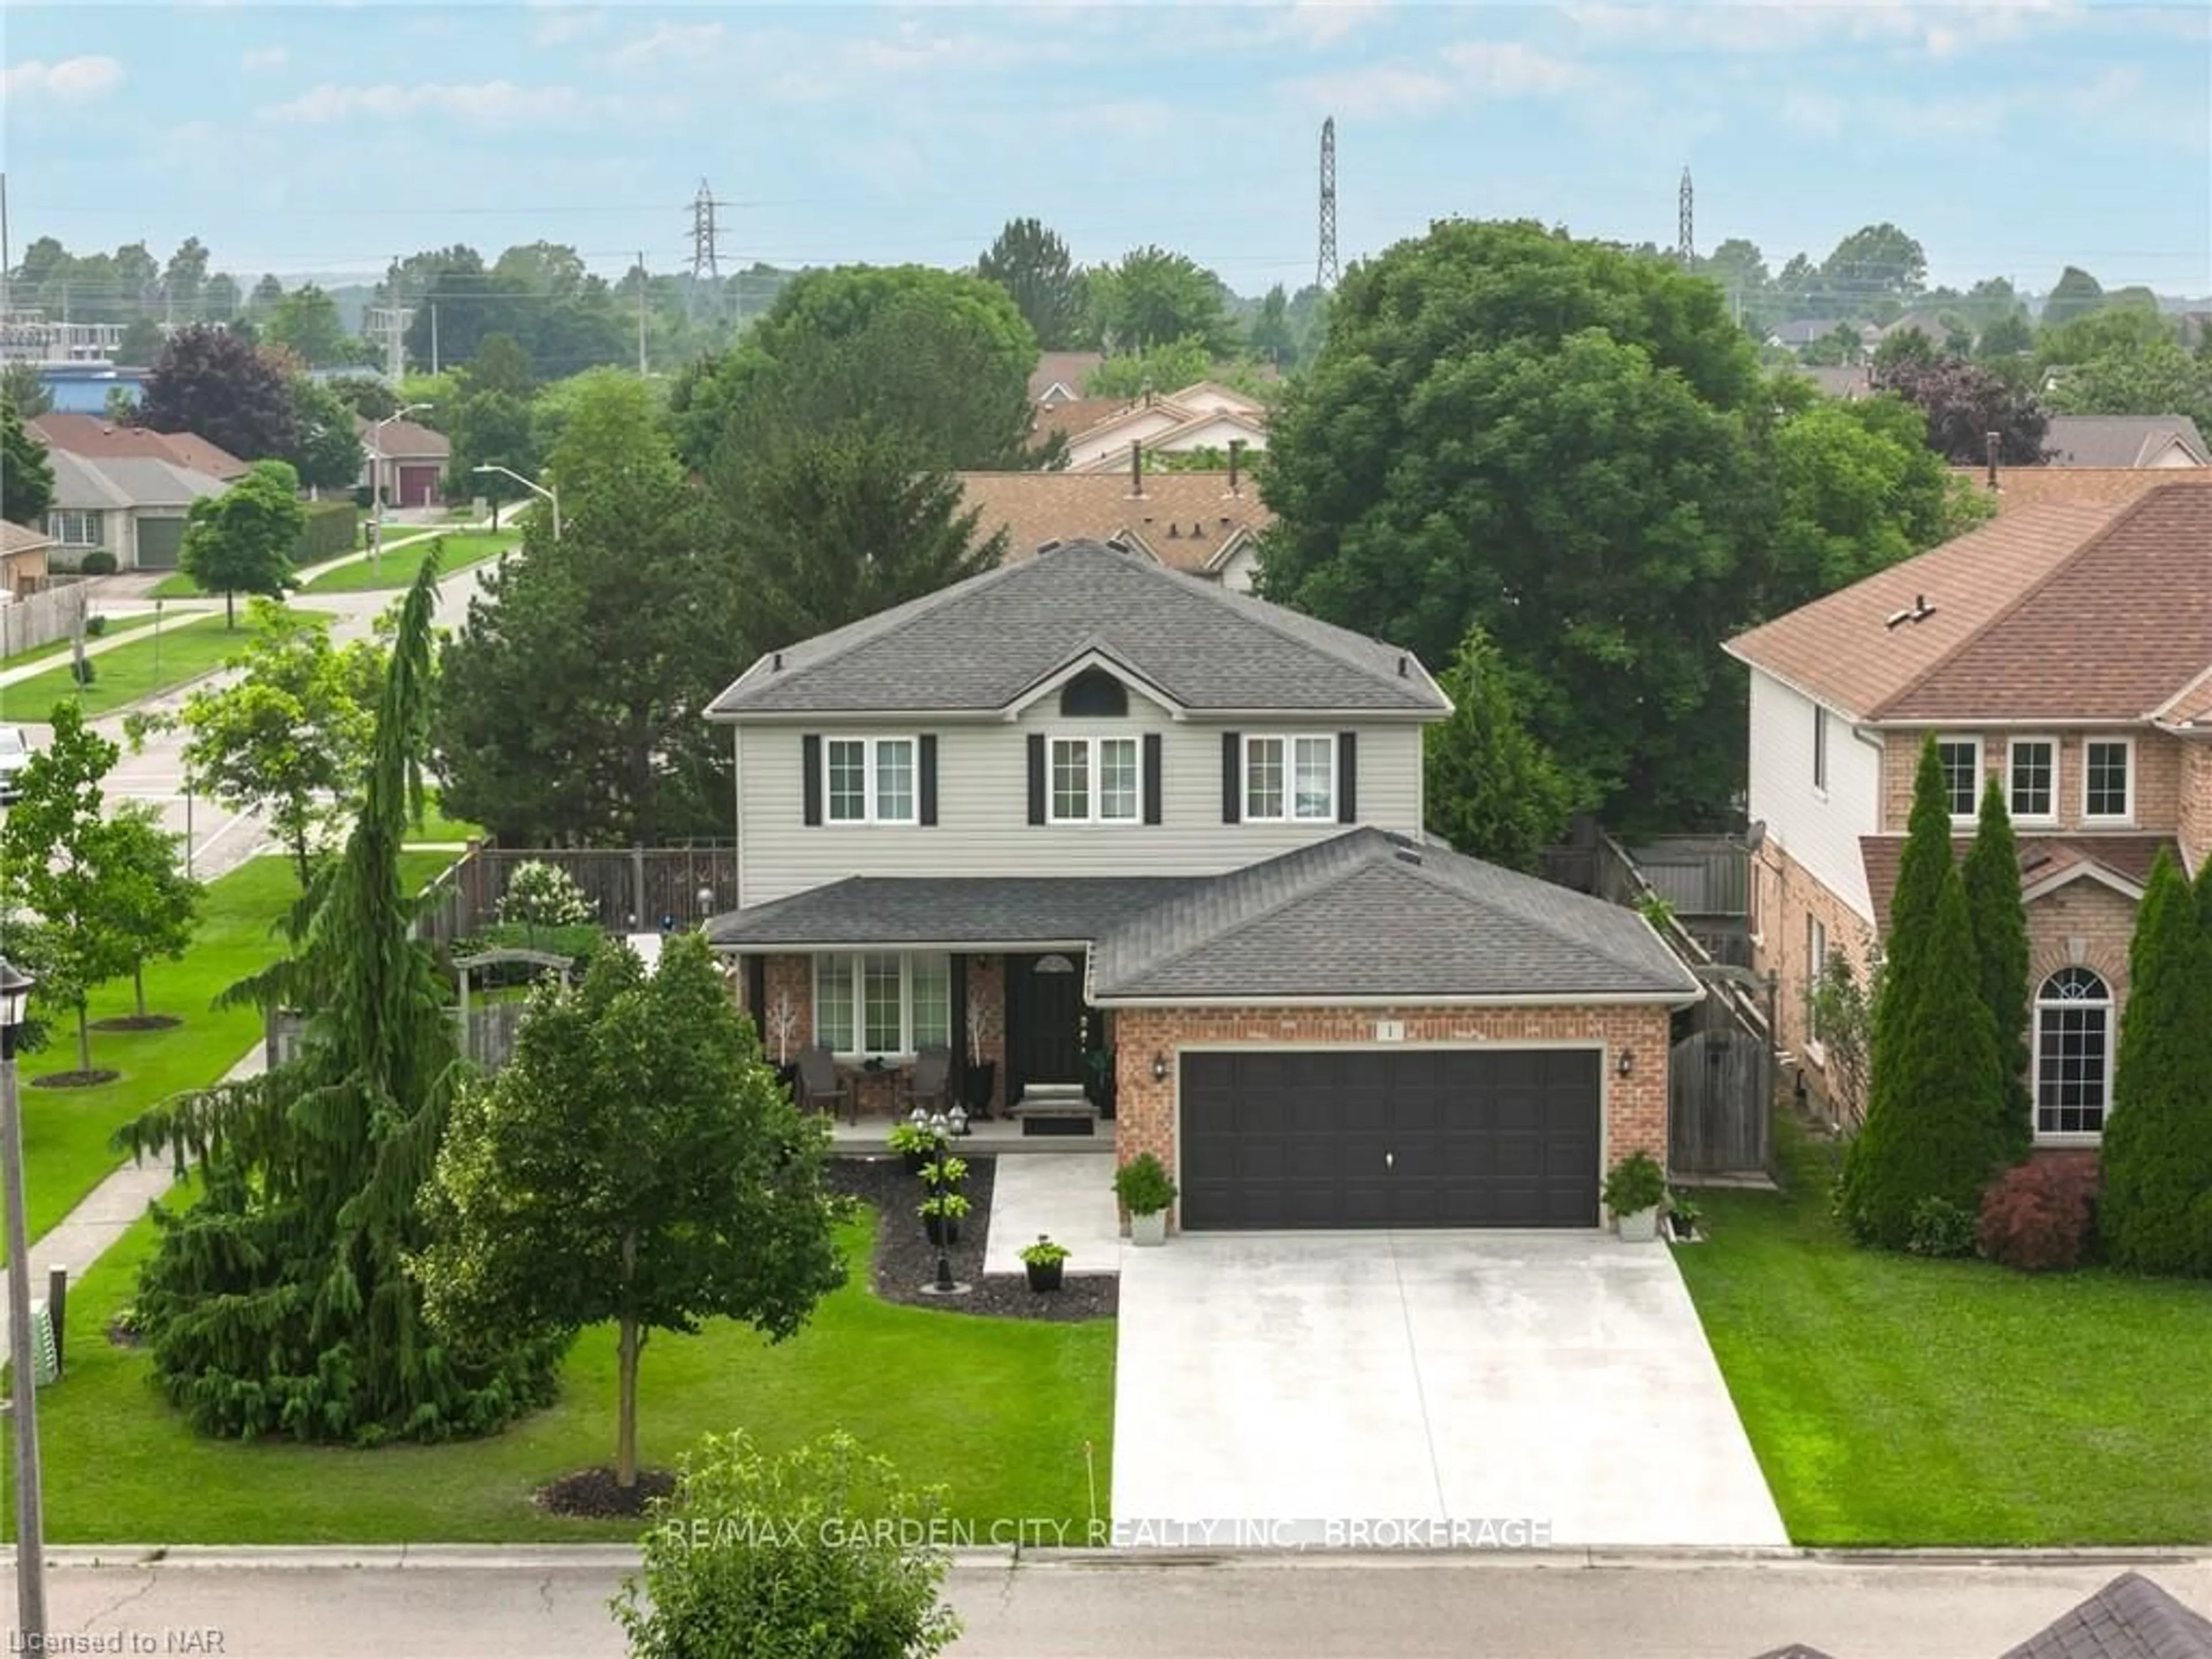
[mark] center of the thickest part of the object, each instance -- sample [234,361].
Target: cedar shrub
[2000,927]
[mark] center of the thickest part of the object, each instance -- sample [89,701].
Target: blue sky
[2010,138]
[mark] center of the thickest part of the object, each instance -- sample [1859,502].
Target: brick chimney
[1136,466]
[1235,455]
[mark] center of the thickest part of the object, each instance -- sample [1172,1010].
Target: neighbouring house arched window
[1094,693]
[2073,1053]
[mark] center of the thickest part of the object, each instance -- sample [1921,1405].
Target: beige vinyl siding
[982,825]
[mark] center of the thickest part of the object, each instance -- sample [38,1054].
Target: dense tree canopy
[1032,264]
[305,323]
[241,541]
[1964,403]
[330,453]
[1154,297]
[210,382]
[27,476]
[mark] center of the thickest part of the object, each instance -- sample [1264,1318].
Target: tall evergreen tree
[279,1303]
[1926,859]
[1494,792]
[2156,1214]
[2000,923]
[1930,1128]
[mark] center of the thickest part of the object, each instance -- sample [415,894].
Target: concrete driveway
[1455,1388]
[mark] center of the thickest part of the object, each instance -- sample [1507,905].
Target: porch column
[957,971]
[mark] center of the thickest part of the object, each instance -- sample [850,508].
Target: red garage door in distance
[418,486]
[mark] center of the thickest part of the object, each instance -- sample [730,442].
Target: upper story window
[2108,780]
[1096,780]
[1820,747]
[869,780]
[72,528]
[2031,780]
[1961,760]
[1290,779]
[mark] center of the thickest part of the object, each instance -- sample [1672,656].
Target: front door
[1052,1018]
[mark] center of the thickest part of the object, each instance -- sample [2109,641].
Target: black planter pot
[983,1078]
[1681,1228]
[1044,1275]
[941,1230]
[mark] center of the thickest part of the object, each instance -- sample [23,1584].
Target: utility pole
[434,337]
[4,263]
[1685,242]
[23,1367]
[1324,268]
[640,312]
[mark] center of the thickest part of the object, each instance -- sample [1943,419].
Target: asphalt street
[552,1604]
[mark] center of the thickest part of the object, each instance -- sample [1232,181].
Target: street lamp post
[376,479]
[30,1526]
[551,496]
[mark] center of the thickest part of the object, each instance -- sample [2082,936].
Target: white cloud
[262,59]
[1498,68]
[1322,22]
[913,49]
[484,103]
[72,80]
[562,24]
[1510,68]
[1940,29]
[679,43]
[1378,89]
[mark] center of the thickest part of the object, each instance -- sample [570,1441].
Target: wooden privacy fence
[42,619]
[630,890]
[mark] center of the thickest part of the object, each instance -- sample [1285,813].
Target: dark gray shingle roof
[2119,439]
[2131,1618]
[946,910]
[979,644]
[1368,914]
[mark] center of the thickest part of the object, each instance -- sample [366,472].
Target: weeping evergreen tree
[279,1303]
[2000,920]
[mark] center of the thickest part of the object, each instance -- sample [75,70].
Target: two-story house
[1088,805]
[2065,650]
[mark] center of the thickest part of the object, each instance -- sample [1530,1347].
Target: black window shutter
[809,749]
[1232,776]
[928,768]
[1037,777]
[1347,777]
[1152,777]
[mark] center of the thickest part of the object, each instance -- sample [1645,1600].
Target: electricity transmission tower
[1325,265]
[706,249]
[1686,245]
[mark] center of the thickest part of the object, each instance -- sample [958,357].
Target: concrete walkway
[116,636]
[1070,1197]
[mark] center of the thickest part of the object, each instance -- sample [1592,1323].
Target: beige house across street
[2064,650]
[132,506]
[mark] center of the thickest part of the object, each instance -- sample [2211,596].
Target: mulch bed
[91,1080]
[905,1261]
[592,1495]
[137,1023]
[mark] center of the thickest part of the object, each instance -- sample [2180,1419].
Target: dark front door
[1406,1138]
[1051,1035]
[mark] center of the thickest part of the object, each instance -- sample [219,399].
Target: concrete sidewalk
[139,627]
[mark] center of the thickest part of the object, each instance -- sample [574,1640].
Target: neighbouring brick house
[2065,650]
[1207,523]
[1086,810]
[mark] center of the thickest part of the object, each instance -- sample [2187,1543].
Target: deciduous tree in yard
[2156,1214]
[241,541]
[143,894]
[1934,1093]
[1493,790]
[278,1303]
[212,382]
[27,476]
[287,740]
[1991,873]
[54,848]
[635,1165]
[1964,402]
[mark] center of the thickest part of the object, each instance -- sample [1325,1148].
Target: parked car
[15,753]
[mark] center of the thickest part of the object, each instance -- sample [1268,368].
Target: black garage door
[1406,1138]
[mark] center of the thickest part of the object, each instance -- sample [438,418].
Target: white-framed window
[1096,780]
[2108,781]
[2031,780]
[869,780]
[1819,748]
[1961,760]
[882,1002]
[71,527]
[2073,1053]
[1816,967]
[1290,780]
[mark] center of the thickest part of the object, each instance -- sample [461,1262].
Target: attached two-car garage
[1404,1137]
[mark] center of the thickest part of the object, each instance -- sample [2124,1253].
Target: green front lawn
[1897,1402]
[123,629]
[141,668]
[999,1410]
[437,828]
[398,566]
[66,1131]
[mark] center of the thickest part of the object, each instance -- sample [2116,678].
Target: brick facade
[1788,895]
[789,985]
[2158,779]
[2193,823]
[1635,1109]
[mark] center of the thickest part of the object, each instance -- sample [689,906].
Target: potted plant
[1044,1261]
[1634,1188]
[913,1144]
[1145,1192]
[940,1215]
[946,1175]
[1683,1215]
[982,1076]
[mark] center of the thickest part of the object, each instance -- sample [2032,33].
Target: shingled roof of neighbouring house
[1187,520]
[2043,860]
[982,644]
[2122,440]
[96,437]
[2019,620]
[2131,1617]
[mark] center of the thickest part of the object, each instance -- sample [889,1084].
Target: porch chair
[928,1084]
[820,1084]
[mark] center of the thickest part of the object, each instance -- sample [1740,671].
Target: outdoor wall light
[1626,1063]
[1160,1067]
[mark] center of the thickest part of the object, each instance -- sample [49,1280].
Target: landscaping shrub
[332,529]
[822,1553]
[2040,1217]
[94,626]
[83,669]
[1992,873]
[542,895]
[97,562]
[1940,1228]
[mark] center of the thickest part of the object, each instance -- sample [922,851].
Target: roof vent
[776,667]
[1198,530]
[1401,666]
[1175,532]
[2033,862]
[1047,547]
[1409,855]
[1921,611]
